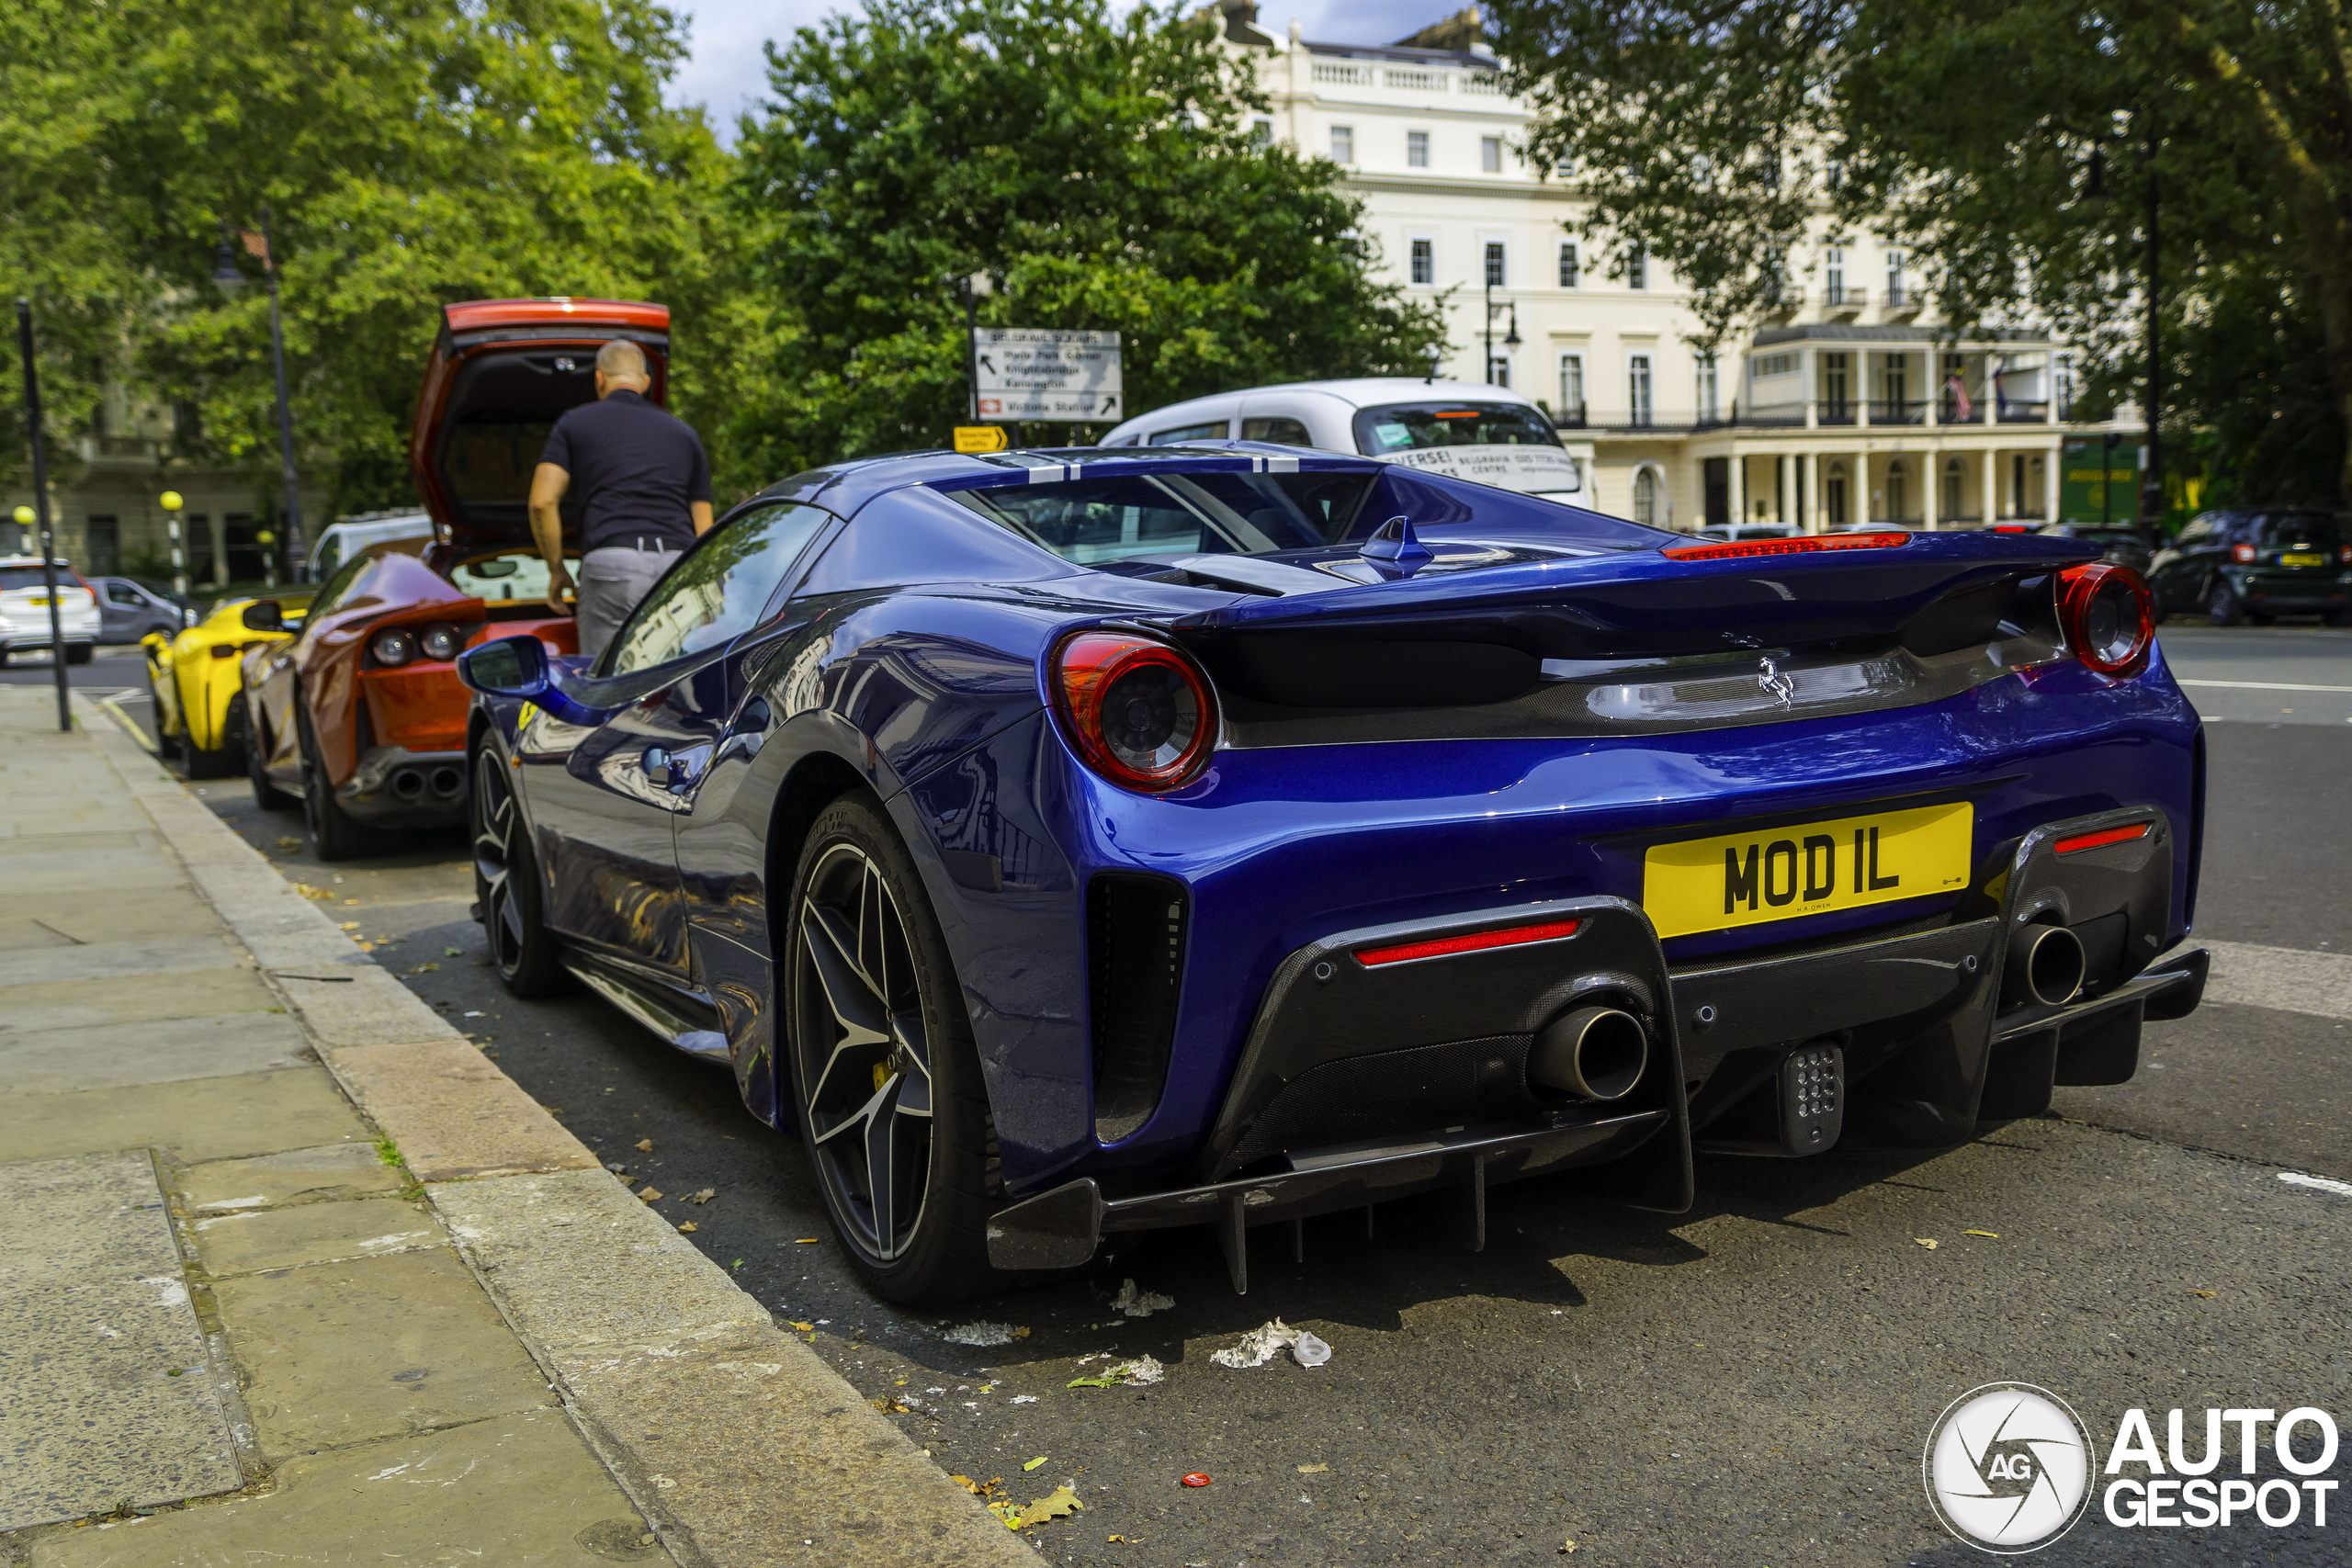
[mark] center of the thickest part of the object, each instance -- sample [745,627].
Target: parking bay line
[2262,686]
[2285,979]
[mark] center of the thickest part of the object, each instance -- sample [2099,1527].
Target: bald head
[620,365]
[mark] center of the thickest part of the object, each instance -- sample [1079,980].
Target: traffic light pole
[41,508]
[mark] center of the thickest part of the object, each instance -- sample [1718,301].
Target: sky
[727,72]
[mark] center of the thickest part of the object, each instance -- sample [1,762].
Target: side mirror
[154,642]
[510,667]
[264,616]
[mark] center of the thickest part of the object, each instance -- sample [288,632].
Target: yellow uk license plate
[2313,559]
[1814,868]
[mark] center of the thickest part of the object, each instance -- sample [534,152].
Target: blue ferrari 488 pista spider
[1075,843]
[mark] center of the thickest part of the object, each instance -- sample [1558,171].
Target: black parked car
[2124,547]
[128,609]
[2252,565]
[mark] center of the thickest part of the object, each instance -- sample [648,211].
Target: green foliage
[2253,368]
[411,155]
[1728,137]
[1094,167]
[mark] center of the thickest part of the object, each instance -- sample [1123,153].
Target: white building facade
[1848,406]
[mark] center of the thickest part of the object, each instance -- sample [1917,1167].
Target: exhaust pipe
[2045,967]
[447,783]
[1594,1053]
[408,785]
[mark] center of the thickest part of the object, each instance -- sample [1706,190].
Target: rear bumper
[1362,1083]
[395,787]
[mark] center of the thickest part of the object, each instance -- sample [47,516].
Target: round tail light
[1140,711]
[2242,554]
[393,649]
[2108,617]
[441,642]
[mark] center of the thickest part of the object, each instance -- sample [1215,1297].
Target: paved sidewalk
[292,1274]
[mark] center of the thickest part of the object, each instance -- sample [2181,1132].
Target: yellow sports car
[196,681]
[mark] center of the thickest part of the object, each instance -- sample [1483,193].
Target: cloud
[726,70]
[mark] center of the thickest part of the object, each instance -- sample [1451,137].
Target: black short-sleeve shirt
[634,469]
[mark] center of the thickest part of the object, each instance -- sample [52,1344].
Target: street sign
[1038,373]
[980,438]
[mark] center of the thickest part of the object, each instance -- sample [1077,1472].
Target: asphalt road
[1746,1384]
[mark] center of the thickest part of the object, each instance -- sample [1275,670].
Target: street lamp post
[2151,481]
[229,280]
[1511,339]
[40,507]
[172,503]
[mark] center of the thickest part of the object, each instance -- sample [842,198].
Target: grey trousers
[611,582]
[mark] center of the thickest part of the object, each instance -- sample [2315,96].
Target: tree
[410,155]
[1092,168]
[1725,134]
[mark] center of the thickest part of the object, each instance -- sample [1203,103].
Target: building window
[2062,382]
[1707,380]
[1898,384]
[1898,495]
[1833,494]
[1343,144]
[1572,388]
[1951,489]
[1896,293]
[1833,385]
[1765,365]
[1498,371]
[1645,497]
[1637,268]
[1491,154]
[1833,276]
[1637,392]
[1494,275]
[1417,148]
[102,544]
[1568,265]
[1425,261]
[2017,487]
[1261,132]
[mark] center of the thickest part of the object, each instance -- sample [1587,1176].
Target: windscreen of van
[1404,427]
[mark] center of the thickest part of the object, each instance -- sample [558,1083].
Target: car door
[602,806]
[123,614]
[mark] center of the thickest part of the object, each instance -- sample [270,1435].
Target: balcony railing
[2018,411]
[1415,81]
[1899,410]
[1842,296]
[1339,75]
[1834,411]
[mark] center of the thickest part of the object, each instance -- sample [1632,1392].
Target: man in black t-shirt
[644,485]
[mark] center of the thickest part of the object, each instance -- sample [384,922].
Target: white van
[1489,433]
[341,540]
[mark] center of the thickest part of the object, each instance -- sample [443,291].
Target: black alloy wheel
[506,887]
[334,834]
[2223,606]
[887,1077]
[266,794]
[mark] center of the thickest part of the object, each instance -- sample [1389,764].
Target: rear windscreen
[2314,528]
[14,577]
[1133,516]
[1402,427]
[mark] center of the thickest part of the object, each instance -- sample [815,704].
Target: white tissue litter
[1265,1342]
[982,1333]
[1141,1372]
[1140,1303]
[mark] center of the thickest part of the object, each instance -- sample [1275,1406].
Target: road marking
[2288,979]
[2265,686]
[2325,1184]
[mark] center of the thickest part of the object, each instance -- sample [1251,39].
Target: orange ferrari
[360,719]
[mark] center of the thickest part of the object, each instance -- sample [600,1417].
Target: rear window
[1137,516]
[1403,427]
[2316,529]
[13,578]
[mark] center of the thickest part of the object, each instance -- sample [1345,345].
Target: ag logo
[2009,1468]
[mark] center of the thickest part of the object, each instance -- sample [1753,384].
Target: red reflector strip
[1469,941]
[2103,836]
[1805,545]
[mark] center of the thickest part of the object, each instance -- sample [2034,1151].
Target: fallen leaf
[1927,1242]
[1995,1235]
[1035,1462]
[1118,1540]
[424,968]
[351,925]
[687,1226]
[1313,1469]
[804,1327]
[807,1240]
[451,952]
[645,1145]
[892,1406]
[1569,1546]
[2207,1294]
[1060,1503]
[651,1194]
[705,1196]
[290,843]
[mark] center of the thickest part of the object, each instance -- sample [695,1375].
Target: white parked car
[1733,533]
[339,541]
[24,609]
[1489,433]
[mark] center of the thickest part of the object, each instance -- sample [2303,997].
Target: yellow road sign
[980,438]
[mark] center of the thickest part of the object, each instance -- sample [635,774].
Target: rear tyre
[78,653]
[2223,606]
[885,1076]
[2339,617]
[266,796]
[335,835]
[167,745]
[210,761]
[529,959]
